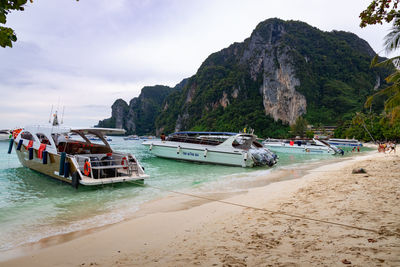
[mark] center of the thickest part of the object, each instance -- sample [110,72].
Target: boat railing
[194,140]
[107,168]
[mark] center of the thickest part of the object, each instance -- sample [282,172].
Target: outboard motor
[108,161]
[95,163]
[262,156]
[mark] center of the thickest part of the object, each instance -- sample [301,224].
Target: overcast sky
[84,55]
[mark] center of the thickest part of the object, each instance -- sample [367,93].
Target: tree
[392,92]
[7,35]
[386,10]
[379,11]
[299,128]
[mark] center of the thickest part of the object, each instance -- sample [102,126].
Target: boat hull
[341,145]
[53,164]
[209,156]
[4,137]
[50,169]
[299,150]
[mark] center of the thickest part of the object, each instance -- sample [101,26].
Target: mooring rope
[262,209]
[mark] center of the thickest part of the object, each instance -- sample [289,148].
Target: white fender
[178,149]
[151,146]
[205,152]
[245,156]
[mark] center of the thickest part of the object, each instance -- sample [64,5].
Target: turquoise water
[34,206]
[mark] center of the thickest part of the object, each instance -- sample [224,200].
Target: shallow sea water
[34,206]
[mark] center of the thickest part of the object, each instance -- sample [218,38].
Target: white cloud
[87,54]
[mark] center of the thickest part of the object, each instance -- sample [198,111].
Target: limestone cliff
[139,116]
[265,56]
[284,70]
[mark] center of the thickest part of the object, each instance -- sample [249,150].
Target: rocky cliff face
[284,70]
[139,116]
[266,56]
[118,112]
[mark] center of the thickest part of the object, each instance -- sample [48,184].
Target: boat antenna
[55,120]
[51,113]
[58,105]
[62,115]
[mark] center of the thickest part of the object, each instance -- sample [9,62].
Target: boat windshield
[243,141]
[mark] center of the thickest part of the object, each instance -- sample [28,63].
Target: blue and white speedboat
[131,137]
[234,149]
[343,143]
[313,146]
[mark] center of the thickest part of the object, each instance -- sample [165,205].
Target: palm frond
[394,77]
[388,91]
[395,115]
[393,101]
[386,63]
[392,39]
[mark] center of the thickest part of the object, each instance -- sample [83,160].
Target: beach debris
[371,240]
[345,261]
[359,170]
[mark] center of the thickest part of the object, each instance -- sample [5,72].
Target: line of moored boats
[83,156]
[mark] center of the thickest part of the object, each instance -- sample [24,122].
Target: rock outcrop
[266,56]
[139,116]
[284,70]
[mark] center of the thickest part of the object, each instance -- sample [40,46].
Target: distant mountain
[284,70]
[139,116]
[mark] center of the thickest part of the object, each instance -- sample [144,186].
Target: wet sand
[280,224]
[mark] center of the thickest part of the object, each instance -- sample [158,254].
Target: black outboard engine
[263,156]
[108,161]
[95,162]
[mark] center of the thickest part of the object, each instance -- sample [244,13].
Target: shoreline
[178,201]
[153,235]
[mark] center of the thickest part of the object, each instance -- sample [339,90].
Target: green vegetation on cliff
[226,94]
[284,70]
[139,116]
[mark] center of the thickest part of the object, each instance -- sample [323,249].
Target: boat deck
[90,181]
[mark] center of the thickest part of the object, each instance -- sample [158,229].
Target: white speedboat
[131,137]
[213,147]
[147,137]
[95,138]
[343,143]
[313,146]
[5,135]
[50,150]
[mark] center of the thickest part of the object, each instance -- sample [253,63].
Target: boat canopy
[57,129]
[101,131]
[203,133]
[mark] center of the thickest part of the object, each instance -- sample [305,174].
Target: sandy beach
[328,217]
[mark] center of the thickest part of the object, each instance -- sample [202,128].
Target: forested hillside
[284,70]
